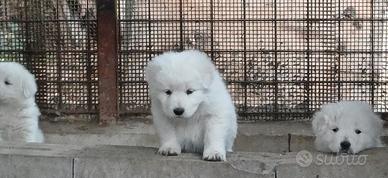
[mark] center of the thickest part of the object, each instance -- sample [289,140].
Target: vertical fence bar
[107,61]
[245,109]
[58,58]
[88,57]
[181,39]
[339,52]
[212,30]
[28,35]
[372,50]
[308,54]
[276,82]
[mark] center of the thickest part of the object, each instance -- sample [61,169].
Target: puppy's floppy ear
[151,70]
[320,122]
[208,76]
[29,86]
[377,123]
[207,69]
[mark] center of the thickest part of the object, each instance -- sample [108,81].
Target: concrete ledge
[66,161]
[275,137]
[143,162]
[37,160]
[371,163]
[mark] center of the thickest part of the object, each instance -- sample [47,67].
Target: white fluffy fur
[18,111]
[208,123]
[347,116]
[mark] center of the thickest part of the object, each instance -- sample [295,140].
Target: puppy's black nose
[345,145]
[179,111]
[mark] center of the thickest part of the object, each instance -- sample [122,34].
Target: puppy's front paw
[214,155]
[169,150]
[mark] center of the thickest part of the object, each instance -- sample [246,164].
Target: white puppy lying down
[191,107]
[346,127]
[18,111]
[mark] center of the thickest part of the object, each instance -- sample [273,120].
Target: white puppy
[18,111]
[191,107]
[346,127]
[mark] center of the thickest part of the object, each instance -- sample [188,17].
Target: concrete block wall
[274,137]
[67,161]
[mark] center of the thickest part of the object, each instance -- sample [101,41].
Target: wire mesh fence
[56,40]
[281,59]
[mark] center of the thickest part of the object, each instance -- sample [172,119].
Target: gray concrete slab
[121,162]
[256,137]
[39,167]
[66,161]
[261,143]
[36,149]
[367,164]
[301,142]
[37,160]
[5,165]
[264,136]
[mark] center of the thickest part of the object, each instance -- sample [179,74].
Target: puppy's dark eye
[188,92]
[168,92]
[357,131]
[335,129]
[7,82]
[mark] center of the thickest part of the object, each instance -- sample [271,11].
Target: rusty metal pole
[107,61]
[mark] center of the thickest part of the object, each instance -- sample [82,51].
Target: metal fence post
[107,61]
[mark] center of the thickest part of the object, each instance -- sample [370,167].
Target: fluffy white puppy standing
[191,107]
[18,111]
[346,127]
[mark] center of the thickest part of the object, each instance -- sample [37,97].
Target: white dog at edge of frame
[191,107]
[19,114]
[347,127]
